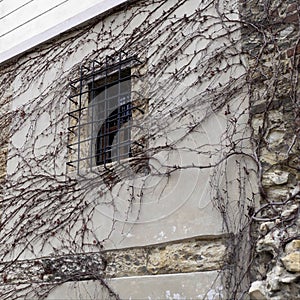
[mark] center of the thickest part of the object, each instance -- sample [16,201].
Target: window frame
[80,98]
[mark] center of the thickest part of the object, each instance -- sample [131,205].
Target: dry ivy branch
[224,60]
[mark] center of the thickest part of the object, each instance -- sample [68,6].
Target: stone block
[278,193]
[292,246]
[187,257]
[270,243]
[256,291]
[292,261]
[276,177]
[265,227]
[276,137]
[176,257]
[271,157]
[3,155]
[287,212]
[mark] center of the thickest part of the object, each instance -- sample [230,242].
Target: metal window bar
[113,122]
[91,108]
[89,77]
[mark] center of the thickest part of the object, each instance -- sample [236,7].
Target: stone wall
[272,42]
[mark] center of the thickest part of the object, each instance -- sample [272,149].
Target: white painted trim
[78,19]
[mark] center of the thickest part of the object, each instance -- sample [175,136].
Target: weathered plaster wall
[173,208]
[195,285]
[271,38]
[273,45]
[5,104]
[153,228]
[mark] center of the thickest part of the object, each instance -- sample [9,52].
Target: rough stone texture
[293,246]
[51,269]
[256,291]
[178,257]
[4,123]
[275,122]
[279,269]
[3,153]
[292,262]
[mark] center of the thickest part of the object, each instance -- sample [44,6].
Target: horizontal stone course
[186,256]
[52,269]
[179,257]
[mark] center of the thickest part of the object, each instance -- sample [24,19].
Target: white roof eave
[74,21]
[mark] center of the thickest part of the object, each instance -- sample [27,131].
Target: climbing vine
[221,85]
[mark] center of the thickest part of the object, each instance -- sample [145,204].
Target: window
[104,108]
[111,110]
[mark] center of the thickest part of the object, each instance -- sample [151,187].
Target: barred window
[102,113]
[111,109]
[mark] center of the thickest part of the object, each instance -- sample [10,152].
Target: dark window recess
[101,123]
[113,137]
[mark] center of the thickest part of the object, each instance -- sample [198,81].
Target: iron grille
[100,120]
